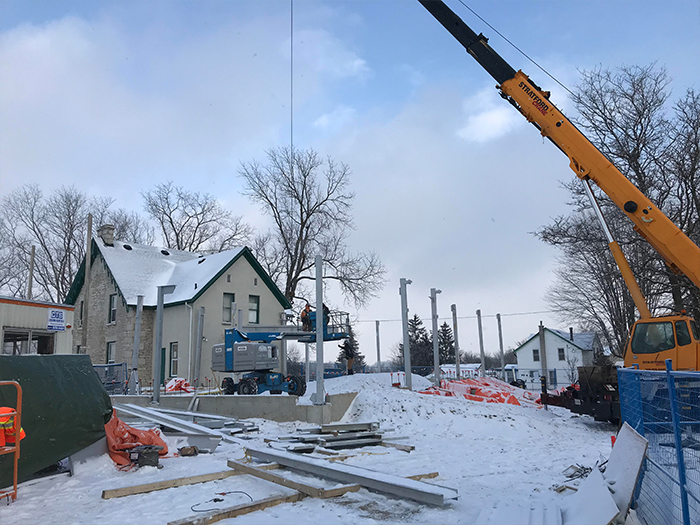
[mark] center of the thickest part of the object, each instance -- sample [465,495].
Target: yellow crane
[652,339]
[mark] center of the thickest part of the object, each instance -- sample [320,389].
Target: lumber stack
[336,436]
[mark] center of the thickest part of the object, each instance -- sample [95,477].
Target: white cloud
[325,53]
[487,117]
[333,122]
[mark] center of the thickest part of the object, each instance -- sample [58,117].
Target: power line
[458,317]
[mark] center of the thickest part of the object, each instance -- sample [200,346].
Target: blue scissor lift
[251,355]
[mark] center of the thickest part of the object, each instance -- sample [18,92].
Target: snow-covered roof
[138,269]
[582,340]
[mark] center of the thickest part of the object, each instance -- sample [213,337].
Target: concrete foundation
[274,408]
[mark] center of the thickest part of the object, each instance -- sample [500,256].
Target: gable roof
[582,340]
[139,269]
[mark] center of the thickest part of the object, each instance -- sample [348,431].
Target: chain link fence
[114,377]
[664,407]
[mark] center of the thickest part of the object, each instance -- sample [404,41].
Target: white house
[231,286]
[556,355]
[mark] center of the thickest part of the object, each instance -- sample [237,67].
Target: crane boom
[680,253]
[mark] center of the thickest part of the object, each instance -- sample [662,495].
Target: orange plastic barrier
[121,438]
[178,384]
[483,389]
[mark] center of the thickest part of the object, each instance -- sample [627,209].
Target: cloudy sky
[450,181]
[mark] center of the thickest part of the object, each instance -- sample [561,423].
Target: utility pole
[481,344]
[404,323]
[320,397]
[307,372]
[86,287]
[500,344]
[31,272]
[134,387]
[436,345]
[543,350]
[454,329]
[379,356]
[162,292]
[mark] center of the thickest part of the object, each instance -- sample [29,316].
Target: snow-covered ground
[489,452]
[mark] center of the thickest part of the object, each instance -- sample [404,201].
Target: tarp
[64,409]
[121,438]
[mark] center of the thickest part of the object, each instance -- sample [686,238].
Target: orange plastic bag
[121,438]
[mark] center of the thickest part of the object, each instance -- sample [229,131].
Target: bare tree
[624,113]
[56,225]
[310,204]
[194,221]
[572,368]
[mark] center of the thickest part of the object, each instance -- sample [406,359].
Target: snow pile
[489,452]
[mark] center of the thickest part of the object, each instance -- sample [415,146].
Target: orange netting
[121,438]
[484,389]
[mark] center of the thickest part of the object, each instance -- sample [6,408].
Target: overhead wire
[459,317]
[517,48]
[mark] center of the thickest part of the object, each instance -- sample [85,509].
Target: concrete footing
[274,408]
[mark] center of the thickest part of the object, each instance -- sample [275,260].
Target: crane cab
[656,339]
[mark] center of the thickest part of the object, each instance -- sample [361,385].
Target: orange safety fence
[178,384]
[483,389]
[121,438]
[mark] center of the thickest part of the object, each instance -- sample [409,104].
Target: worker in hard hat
[8,429]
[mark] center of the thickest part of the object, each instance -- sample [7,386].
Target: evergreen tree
[350,355]
[446,344]
[421,344]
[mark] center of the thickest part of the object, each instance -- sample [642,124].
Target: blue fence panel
[665,408]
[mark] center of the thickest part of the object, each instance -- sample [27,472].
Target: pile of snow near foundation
[489,452]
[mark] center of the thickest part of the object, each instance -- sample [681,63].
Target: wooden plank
[178,482]
[419,477]
[309,490]
[399,446]
[238,510]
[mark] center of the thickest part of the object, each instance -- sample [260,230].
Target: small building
[35,327]
[233,288]
[555,355]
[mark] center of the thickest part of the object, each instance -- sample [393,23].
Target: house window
[80,319]
[111,351]
[228,312]
[535,354]
[562,355]
[228,277]
[552,379]
[112,312]
[254,309]
[173,359]
[255,281]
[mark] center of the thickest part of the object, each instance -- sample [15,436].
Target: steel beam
[378,481]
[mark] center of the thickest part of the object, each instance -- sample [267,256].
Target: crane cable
[518,49]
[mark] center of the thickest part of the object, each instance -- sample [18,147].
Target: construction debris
[204,431]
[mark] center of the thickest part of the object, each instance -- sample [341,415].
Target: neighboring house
[230,285]
[35,327]
[559,359]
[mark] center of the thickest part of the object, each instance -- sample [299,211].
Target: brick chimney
[106,233]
